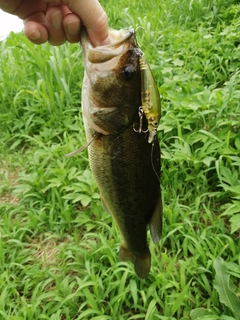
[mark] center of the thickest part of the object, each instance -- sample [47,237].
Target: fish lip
[128,35]
[85,39]
[107,52]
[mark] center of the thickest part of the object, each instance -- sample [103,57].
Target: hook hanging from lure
[151,104]
[140,115]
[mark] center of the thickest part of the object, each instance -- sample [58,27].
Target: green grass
[58,248]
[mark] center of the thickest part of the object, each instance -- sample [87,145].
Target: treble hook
[140,129]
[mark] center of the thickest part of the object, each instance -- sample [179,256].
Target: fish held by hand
[121,111]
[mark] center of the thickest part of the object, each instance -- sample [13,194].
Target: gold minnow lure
[151,104]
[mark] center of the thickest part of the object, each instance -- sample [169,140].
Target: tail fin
[142,263]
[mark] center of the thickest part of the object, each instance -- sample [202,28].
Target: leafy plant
[224,287]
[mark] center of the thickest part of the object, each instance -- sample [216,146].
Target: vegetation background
[58,248]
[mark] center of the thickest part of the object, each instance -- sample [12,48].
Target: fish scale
[128,188]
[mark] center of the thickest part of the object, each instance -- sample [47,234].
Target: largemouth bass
[121,110]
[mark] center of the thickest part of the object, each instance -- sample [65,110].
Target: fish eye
[128,72]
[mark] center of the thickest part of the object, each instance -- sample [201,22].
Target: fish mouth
[103,81]
[107,52]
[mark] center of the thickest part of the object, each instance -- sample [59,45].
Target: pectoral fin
[156,221]
[84,147]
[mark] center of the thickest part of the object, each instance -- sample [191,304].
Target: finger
[54,18]
[72,25]
[98,30]
[9,6]
[23,8]
[92,16]
[35,28]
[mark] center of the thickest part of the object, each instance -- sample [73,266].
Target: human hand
[57,21]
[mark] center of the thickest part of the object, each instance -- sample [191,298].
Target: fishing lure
[151,104]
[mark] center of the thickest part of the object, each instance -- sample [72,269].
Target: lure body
[150,98]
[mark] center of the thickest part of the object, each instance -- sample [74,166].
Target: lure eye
[128,72]
[153,121]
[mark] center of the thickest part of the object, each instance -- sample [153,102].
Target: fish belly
[125,167]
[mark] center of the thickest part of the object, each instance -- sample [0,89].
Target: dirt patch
[7,197]
[8,179]
[47,250]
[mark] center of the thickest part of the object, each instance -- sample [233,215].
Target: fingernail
[34,35]
[56,19]
[73,27]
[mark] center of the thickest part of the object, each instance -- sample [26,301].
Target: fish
[121,111]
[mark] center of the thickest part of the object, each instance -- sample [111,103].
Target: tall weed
[58,248]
